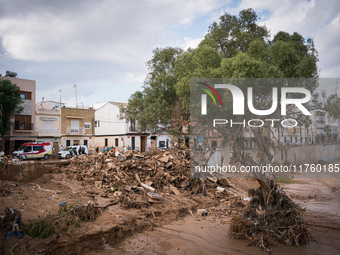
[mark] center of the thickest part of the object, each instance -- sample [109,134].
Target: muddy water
[193,235]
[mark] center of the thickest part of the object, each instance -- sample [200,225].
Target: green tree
[234,47]
[332,106]
[235,33]
[204,61]
[10,105]
[295,56]
[153,107]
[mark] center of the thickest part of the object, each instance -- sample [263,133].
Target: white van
[33,150]
[66,153]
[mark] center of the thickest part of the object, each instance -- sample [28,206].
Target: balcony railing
[75,131]
[23,126]
[48,131]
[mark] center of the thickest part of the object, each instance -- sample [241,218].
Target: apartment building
[77,127]
[23,129]
[48,123]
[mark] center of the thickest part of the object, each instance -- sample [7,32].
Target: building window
[213,144]
[68,143]
[25,95]
[106,142]
[22,122]
[132,125]
[97,123]
[161,144]
[116,142]
[75,126]
[48,126]
[87,125]
[85,142]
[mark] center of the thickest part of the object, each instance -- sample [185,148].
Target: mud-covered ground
[168,227]
[209,235]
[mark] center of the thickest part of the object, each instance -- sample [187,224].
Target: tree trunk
[307,142]
[2,142]
[225,154]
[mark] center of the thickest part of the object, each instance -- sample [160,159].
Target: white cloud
[327,43]
[106,31]
[129,77]
[190,43]
[102,46]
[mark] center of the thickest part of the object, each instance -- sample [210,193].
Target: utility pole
[75,88]
[60,98]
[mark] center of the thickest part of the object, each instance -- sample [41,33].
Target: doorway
[142,143]
[56,147]
[133,143]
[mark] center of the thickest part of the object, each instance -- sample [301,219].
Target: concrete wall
[124,140]
[308,154]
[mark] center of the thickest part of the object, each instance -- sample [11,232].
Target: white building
[110,130]
[48,122]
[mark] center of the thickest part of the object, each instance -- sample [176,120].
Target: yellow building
[77,127]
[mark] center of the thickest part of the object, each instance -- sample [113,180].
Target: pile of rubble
[142,177]
[270,218]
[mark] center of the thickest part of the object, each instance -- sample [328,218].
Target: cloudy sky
[102,46]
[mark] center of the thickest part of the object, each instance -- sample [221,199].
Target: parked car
[66,153]
[33,150]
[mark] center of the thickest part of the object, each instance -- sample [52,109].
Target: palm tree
[327,129]
[308,122]
[300,120]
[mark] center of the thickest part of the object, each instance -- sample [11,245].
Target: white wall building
[110,130]
[48,122]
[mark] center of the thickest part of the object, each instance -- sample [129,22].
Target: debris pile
[270,218]
[151,175]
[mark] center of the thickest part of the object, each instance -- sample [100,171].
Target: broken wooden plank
[147,187]
[137,178]
[164,159]
[211,179]
[174,190]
